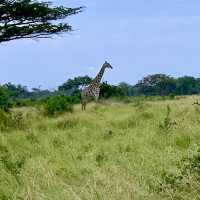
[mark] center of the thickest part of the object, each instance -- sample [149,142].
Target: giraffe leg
[97,99]
[96,95]
[82,106]
[83,103]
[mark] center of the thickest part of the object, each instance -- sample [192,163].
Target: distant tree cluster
[163,85]
[152,85]
[73,86]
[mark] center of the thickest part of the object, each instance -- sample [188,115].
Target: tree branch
[31,19]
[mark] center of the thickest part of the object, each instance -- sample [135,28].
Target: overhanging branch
[31,19]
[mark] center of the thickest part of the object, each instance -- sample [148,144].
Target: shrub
[191,163]
[58,104]
[9,120]
[100,158]
[5,103]
[25,102]
[187,170]
[4,120]
[172,96]
[14,167]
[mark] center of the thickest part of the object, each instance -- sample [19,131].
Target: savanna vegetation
[140,148]
[139,142]
[159,85]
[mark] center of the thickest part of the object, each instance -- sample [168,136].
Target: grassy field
[139,150]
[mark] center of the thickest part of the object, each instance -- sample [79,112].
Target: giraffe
[93,90]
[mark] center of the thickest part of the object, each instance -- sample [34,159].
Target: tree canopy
[32,19]
[156,84]
[151,85]
[71,86]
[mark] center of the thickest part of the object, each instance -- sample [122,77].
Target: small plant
[197,109]
[87,147]
[67,123]
[9,121]
[30,136]
[168,124]
[3,149]
[172,96]
[57,105]
[171,180]
[187,169]
[57,142]
[132,122]
[4,120]
[100,158]
[124,99]
[14,167]
[147,115]
[138,103]
[191,163]
[18,120]
[108,134]
[4,196]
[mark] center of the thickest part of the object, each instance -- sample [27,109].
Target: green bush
[57,105]
[12,120]
[5,103]
[25,102]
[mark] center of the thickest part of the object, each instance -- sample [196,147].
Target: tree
[187,85]
[72,86]
[5,103]
[16,91]
[32,19]
[126,88]
[108,91]
[157,84]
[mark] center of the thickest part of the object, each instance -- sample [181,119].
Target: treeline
[152,85]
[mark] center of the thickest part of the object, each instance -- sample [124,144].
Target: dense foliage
[5,102]
[72,86]
[108,91]
[32,19]
[152,85]
[58,104]
[161,84]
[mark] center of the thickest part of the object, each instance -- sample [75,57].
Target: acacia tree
[73,86]
[32,19]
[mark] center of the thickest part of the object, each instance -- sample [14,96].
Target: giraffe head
[107,65]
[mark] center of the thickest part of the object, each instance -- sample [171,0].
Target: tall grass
[129,150]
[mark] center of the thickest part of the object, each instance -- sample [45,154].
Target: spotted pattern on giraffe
[93,90]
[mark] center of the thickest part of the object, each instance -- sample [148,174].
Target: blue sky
[138,37]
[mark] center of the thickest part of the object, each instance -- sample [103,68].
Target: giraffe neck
[99,76]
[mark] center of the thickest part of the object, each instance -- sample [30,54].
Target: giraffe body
[93,90]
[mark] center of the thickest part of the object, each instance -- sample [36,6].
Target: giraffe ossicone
[93,90]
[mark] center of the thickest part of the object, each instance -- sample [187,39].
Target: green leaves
[32,19]
[57,105]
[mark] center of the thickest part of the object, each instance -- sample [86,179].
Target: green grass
[142,150]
